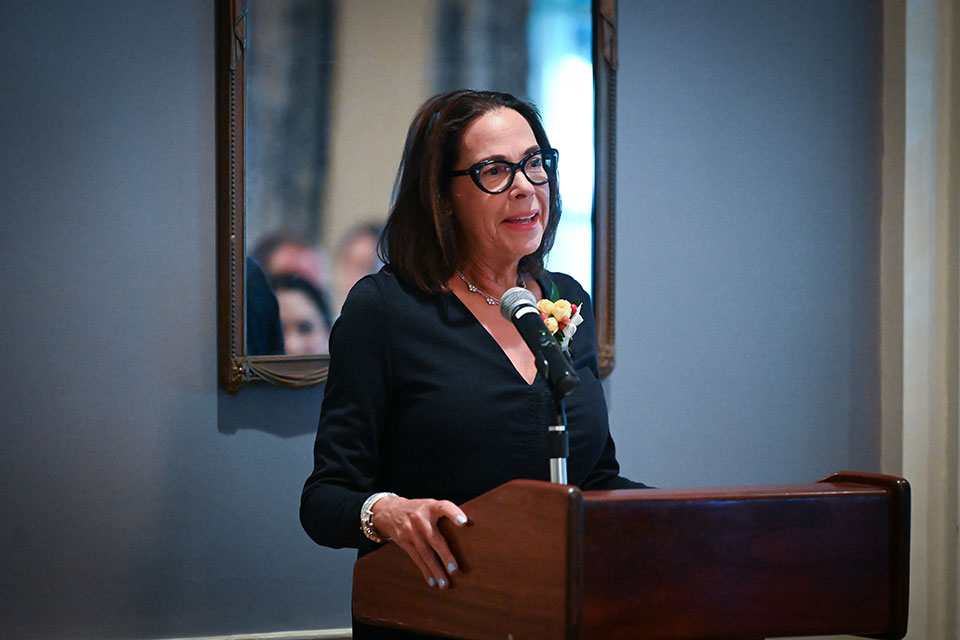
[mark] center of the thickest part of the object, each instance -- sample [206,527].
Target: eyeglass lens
[498,176]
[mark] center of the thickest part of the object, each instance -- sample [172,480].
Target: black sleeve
[355,407]
[606,473]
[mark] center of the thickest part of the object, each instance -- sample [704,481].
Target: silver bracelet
[366,516]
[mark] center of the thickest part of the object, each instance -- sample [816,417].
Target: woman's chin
[523,249]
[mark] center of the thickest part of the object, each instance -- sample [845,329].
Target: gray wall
[137,500]
[747,308]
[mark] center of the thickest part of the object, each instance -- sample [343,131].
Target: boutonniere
[561,318]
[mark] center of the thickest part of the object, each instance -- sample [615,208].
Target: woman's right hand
[412,524]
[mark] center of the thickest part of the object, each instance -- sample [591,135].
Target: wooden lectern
[541,560]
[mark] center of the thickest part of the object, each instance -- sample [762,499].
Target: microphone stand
[520,307]
[558,442]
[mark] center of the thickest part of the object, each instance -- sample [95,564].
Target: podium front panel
[738,563]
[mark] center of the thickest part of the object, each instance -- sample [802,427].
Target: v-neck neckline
[486,332]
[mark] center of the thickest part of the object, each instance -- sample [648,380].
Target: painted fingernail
[443,583]
[451,567]
[462,519]
[432,582]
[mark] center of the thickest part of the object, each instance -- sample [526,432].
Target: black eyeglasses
[496,176]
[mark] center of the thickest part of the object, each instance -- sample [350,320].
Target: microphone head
[513,298]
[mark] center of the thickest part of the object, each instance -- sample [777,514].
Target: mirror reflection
[330,90]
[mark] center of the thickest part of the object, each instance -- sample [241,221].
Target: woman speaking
[433,397]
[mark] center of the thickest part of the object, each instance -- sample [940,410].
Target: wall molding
[920,295]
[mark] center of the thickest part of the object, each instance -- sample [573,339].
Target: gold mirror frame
[236,368]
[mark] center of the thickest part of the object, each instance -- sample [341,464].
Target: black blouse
[421,401]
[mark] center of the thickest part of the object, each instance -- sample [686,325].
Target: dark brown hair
[420,240]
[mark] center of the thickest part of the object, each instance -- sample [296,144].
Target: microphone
[520,307]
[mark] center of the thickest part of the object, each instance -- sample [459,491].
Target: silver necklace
[489,298]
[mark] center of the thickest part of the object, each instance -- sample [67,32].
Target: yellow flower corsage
[561,318]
